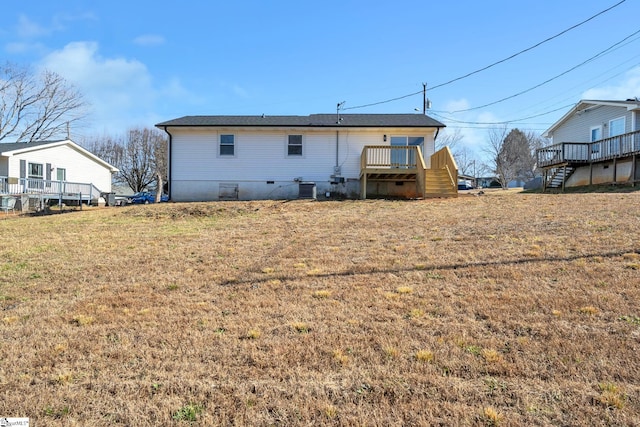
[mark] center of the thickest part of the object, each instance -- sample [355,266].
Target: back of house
[286,157]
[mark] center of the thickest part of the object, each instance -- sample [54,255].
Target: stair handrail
[443,159]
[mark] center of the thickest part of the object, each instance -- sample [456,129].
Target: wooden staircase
[559,177]
[438,184]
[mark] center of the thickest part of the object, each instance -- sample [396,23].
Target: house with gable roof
[320,155]
[53,170]
[596,142]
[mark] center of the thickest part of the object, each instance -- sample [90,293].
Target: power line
[600,82]
[529,48]
[491,65]
[549,80]
[383,102]
[503,122]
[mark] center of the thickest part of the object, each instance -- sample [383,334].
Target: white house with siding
[286,157]
[596,142]
[24,164]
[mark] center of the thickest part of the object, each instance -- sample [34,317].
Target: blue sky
[142,62]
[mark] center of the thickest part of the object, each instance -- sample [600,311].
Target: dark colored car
[464,186]
[146,197]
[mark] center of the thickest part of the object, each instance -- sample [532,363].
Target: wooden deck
[559,161]
[577,153]
[38,193]
[405,164]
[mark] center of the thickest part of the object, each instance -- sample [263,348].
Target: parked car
[146,197]
[465,185]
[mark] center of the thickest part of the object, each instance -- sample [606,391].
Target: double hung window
[227,145]
[294,145]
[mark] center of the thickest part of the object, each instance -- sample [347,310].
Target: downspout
[436,136]
[335,170]
[169,162]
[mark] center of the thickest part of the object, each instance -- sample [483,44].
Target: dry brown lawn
[504,309]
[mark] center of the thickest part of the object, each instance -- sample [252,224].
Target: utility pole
[424,98]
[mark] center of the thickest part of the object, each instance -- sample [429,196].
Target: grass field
[505,309]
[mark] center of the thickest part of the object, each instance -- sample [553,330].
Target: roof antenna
[339,107]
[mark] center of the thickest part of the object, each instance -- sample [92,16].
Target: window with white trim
[61,174]
[35,175]
[36,171]
[227,145]
[616,127]
[596,133]
[294,145]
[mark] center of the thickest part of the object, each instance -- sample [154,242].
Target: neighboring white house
[61,160]
[596,142]
[285,157]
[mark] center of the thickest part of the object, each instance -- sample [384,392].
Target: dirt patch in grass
[501,309]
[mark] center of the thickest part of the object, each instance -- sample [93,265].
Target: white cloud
[629,87]
[240,91]
[27,28]
[456,104]
[149,40]
[120,90]
[21,47]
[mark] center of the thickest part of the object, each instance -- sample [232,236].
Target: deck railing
[587,152]
[15,186]
[443,159]
[391,156]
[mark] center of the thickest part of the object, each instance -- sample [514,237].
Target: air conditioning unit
[307,190]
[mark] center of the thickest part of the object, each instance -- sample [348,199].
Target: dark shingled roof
[10,146]
[314,120]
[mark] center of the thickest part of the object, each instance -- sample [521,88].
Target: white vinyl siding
[79,167]
[261,158]
[575,128]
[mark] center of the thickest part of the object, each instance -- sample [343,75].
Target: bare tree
[536,141]
[512,154]
[449,139]
[493,149]
[37,106]
[463,155]
[141,157]
[465,161]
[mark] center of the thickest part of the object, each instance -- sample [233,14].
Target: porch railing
[587,152]
[15,186]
